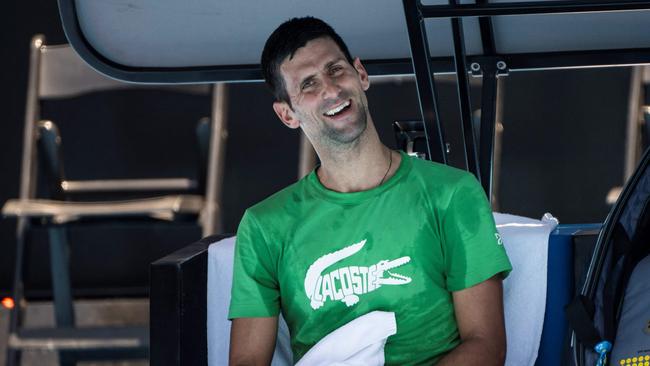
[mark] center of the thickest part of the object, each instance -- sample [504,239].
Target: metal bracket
[498,66]
[502,68]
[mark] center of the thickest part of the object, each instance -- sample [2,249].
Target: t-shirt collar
[357,197]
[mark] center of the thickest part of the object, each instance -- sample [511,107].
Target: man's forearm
[252,341]
[476,351]
[479,315]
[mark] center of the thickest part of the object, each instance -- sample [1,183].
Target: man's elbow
[242,356]
[232,362]
[498,350]
[252,341]
[492,350]
[501,354]
[240,360]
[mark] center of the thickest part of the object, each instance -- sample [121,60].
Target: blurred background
[563,148]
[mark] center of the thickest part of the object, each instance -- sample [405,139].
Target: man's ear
[285,113]
[363,74]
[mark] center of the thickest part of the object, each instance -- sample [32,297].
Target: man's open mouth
[338,109]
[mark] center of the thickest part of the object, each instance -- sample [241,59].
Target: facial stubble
[339,137]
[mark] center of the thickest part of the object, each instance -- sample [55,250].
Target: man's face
[327,94]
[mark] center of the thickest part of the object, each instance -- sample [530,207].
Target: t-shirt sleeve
[473,249]
[255,291]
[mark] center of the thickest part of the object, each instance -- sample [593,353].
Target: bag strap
[623,262]
[580,314]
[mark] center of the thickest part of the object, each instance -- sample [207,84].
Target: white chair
[57,72]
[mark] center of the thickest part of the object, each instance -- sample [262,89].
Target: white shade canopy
[229,34]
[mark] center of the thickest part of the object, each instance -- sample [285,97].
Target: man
[369,229]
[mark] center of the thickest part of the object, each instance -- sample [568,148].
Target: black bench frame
[178,305]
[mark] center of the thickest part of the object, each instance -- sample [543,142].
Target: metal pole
[488,109]
[61,285]
[60,269]
[424,81]
[635,101]
[498,138]
[27,188]
[211,218]
[464,97]
[575,59]
[531,7]
[32,115]
[487,33]
[488,122]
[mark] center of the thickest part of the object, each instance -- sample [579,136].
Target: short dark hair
[285,41]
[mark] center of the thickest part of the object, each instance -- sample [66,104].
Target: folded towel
[359,342]
[524,290]
[220,261]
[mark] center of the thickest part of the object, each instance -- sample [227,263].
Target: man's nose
[331,88]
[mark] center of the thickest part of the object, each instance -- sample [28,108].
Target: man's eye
[335,69]
[307,85]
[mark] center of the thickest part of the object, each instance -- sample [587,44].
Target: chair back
[58,75]
[64,74]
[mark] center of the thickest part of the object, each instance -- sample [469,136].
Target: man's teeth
[336,110]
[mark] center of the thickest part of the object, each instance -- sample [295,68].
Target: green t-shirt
[324,258]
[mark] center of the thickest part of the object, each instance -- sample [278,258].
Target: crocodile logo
[347,283]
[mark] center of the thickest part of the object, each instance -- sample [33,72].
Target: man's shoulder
[440,175]
[277,202]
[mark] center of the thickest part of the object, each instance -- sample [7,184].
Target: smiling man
[369,229]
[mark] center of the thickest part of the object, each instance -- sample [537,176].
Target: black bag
[614,304]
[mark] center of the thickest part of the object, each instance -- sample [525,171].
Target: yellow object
[634,361]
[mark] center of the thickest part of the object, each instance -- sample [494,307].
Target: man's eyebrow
[335,61]
[327,66]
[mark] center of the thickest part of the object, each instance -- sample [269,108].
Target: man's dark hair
[285,41]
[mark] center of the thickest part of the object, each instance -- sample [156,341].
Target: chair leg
[12,357]
[60,266]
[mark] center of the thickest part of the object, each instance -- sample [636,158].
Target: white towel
[360,342]
[220,262]
[524,291]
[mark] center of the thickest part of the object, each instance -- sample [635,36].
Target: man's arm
[479,314]
[252,341]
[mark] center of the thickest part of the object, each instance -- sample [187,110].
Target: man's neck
[357,167]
